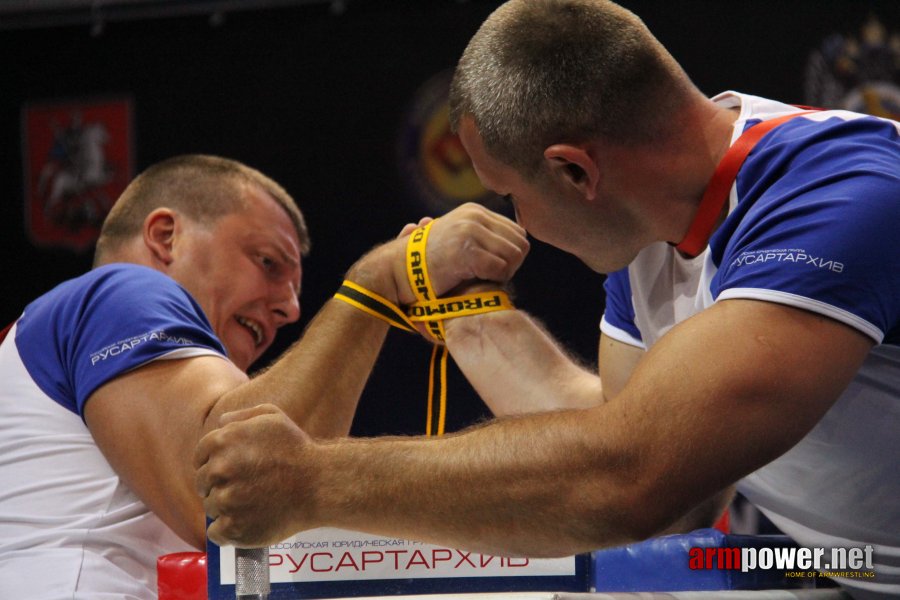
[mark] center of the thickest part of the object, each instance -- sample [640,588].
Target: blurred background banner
[77,159]
[433,162]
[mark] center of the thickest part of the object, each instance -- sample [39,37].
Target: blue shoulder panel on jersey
[619,310]
[89,330]
[817,218]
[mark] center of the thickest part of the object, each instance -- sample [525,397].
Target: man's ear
[574,165]
[159,234]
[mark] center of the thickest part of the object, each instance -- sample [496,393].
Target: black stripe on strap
[375,305]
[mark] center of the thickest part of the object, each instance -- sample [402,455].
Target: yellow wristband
[427,309]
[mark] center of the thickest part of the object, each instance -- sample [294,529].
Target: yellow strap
[375,305]
[458,306]
[431,311]
[417,271]
[427,309]
[437,401]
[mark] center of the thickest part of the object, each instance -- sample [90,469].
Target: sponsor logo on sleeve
[127,345]
[793,256]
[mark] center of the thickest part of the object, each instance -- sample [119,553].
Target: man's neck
[698,157]
[664,181]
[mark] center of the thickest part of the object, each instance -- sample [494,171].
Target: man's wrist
[473,326]
[383,271]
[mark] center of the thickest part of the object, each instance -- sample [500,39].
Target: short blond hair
[202,187]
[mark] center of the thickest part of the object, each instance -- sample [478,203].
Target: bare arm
[149,421]
[516,367]
[701,410]
[617,362]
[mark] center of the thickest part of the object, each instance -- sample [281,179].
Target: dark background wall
[317,98]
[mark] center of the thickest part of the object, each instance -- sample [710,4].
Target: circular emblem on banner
[433,162]
[857,72]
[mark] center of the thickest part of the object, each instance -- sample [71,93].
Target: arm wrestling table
[335,564]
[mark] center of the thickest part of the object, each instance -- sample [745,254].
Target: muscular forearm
[558,482]
[516,367]
[520,486]
[319,380]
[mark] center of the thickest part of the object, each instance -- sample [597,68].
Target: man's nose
[285,303]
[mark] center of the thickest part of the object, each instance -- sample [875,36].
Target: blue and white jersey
[813,221]
[69,527]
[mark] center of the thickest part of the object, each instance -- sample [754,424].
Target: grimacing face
[244,270]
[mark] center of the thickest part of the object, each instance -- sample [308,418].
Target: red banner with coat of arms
[77,159]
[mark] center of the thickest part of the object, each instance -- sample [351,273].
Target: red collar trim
[5,330]
[719,185]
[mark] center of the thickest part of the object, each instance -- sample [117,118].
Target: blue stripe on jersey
[817,216]
[619,310]
[91,329]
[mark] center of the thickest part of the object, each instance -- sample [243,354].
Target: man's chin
[241,359]
[599,266]
[607,264]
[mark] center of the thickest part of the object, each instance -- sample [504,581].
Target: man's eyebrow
[278,247]
[288,258]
